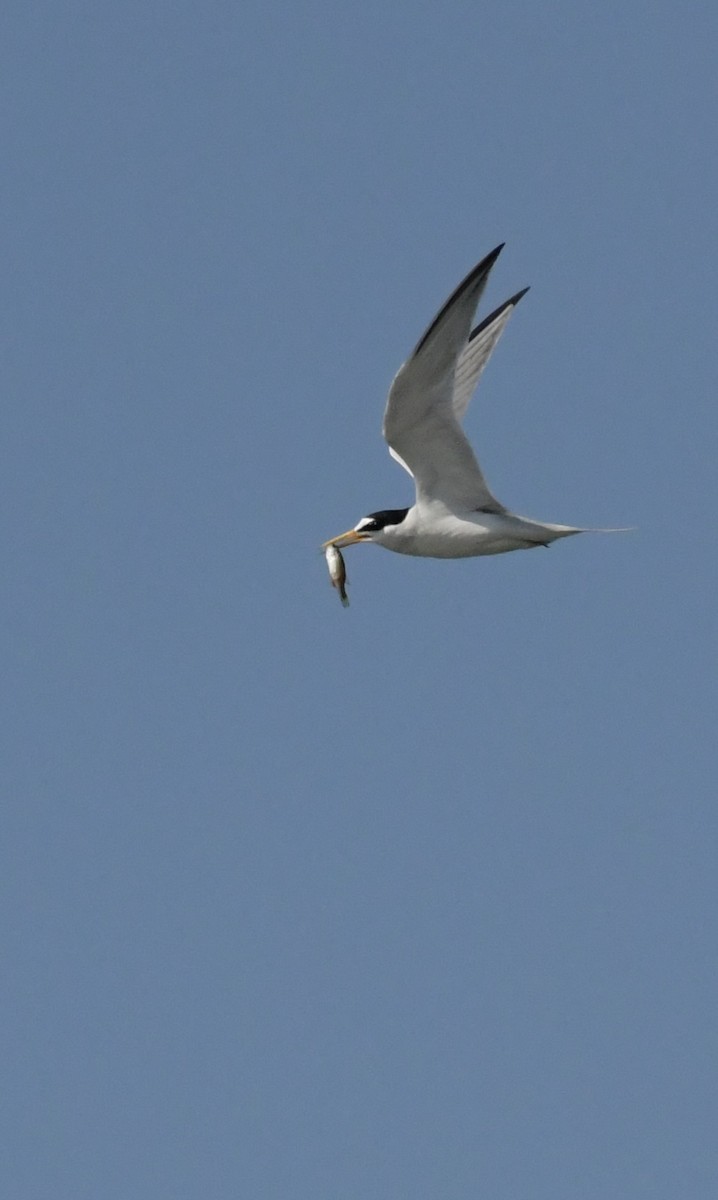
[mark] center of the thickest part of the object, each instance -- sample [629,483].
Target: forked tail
[623,529]
[561,531]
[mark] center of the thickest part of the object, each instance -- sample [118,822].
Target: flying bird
[455,514]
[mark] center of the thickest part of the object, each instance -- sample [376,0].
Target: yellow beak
[346,539]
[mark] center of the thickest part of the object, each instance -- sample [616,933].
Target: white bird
[455,514]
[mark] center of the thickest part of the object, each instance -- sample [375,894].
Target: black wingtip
[476,277]
[510,303]
[487,262]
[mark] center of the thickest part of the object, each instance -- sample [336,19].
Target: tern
[455,514]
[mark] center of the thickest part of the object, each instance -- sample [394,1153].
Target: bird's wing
[474,357]
[420,424]
[477,352]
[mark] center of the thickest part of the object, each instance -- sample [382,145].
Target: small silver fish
[337,572]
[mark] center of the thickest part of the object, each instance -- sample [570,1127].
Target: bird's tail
[567,530]
[561,531]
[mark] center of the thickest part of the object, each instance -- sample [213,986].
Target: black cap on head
[378,520]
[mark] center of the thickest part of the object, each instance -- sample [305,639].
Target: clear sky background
[416,899]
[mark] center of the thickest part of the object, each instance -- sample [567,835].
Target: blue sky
[415,899]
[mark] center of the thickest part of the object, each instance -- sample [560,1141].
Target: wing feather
[477,352]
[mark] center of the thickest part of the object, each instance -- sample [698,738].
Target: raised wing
[477,352]
[420,424]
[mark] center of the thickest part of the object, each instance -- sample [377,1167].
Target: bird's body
[455,514]
[433,531]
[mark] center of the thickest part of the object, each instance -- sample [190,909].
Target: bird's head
[377,527]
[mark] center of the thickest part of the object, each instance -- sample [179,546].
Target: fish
[337,572]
